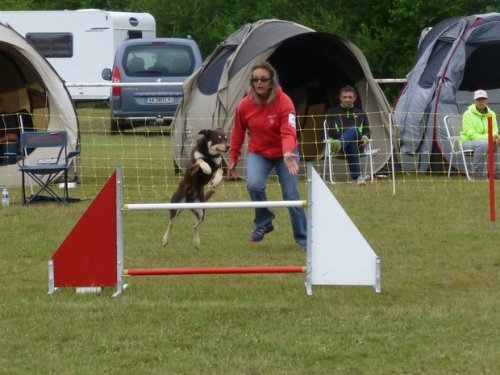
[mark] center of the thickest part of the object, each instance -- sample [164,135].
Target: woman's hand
[291,163]
[231,171]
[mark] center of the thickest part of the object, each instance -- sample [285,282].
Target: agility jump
[92,254]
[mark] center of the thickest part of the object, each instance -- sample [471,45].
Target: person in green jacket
[474,135]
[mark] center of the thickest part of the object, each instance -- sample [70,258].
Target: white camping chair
[367,154]
[453,126]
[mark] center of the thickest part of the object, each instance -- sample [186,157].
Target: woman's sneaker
[258,234]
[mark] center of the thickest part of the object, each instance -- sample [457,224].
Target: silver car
[153,61]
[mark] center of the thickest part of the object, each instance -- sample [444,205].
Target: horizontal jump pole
[211,270]
[191,206]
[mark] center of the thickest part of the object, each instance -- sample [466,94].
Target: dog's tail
[208,194]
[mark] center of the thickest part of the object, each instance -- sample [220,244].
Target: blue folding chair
[46,170]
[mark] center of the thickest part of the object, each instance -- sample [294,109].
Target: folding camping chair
[367,154]
[456,147]
[45,171]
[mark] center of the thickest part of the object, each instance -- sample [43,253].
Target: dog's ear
[205,132]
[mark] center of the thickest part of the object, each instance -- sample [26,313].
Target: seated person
[348,131]
[9,138]
[474,135]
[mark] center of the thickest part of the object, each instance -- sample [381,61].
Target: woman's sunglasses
[261,79]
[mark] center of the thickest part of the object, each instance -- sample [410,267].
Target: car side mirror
[106,74]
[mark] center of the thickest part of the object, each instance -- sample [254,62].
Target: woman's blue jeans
[258,169]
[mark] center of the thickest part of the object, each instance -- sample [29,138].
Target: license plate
[160,100]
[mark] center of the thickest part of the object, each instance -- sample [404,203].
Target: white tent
[28,82]
[311,66]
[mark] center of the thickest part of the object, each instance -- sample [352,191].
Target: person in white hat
[474,135]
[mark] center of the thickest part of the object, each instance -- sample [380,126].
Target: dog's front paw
[205,167]
[217,178]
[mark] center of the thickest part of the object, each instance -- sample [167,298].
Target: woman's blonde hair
[274,82]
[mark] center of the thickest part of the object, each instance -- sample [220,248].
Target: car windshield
[159,60]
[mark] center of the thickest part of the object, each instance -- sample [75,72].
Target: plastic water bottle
[5,197]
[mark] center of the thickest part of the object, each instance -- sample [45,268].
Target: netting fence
[151,172]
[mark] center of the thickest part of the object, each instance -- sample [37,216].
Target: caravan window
[52,44]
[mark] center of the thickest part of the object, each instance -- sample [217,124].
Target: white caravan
[79,44]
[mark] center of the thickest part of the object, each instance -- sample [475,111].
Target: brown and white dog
[205,166]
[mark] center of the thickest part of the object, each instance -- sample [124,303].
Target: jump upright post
[350,262]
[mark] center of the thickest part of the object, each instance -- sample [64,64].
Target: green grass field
[438,312]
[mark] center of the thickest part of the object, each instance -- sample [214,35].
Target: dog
[204,166]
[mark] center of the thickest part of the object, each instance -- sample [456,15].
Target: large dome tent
[312,67]
[30,83]
[455,58]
